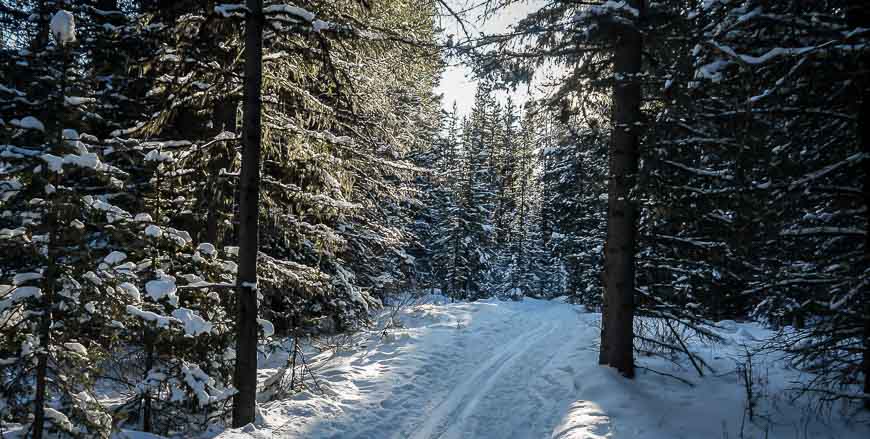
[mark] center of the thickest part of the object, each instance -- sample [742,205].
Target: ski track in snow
[457,410]
[485,369]
[523,370]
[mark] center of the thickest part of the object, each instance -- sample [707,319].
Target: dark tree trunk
[245,377]
[42,369]
[43,33]
[51,272]
[617,336]
[147,416]
[223,119]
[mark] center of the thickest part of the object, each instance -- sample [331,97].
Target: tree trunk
[51,273]
[617,336]
[223,119]
[245,376]
[147,416]
[42,366]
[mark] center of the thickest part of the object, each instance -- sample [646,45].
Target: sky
[457,84]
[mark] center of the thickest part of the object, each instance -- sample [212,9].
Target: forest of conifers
[184,183]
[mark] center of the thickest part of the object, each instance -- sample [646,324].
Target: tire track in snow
[455,409]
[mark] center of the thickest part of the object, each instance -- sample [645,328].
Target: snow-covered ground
[528,369]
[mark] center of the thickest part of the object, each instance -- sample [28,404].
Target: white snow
[319,26]
[78,100]
[113,213]
[21,278]
[160,320]
[17,295]
[83,160]
[131,434]
[57,418]
[91,276]
[619,6]
[529,369]
[290,10]
[54,162]
[162,287]
[206,249]
[153,231]
[156,156]
[28,123]
[131,290]
[63,27]
[203,386]
[268,327]
[193,323]
[115,257]
[77,348]
[231,9]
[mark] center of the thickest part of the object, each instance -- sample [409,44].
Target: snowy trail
[486,369]
[455,411]
[524,370]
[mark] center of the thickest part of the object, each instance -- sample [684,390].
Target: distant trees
[483,227]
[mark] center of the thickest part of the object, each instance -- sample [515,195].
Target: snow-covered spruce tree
[505,153]
[114,260]
[447,238]
[474,259]
[436,205]
[167,373]
[52,221]
[573,172]
[702,200]
[335,180]
[800,90]
[529,268]
[332,145]
[758,151]
[175,328]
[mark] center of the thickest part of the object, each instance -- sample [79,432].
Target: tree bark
[245,376]
[148,338]
[617,331]
[223,119]
[51,273]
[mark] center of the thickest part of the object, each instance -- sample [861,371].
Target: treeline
[121,198]
[512,206]
[719,148]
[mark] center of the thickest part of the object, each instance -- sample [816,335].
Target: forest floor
[528,369]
